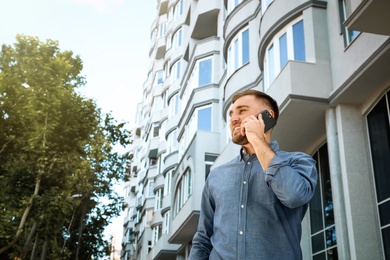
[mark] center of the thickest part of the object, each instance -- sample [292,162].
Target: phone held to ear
[269,121]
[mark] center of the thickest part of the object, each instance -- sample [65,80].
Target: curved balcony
[157,219]
[159,181]
[278,15]
[294,92]
[239,18]
[171,161]
[172,123]
[167,203]
[163,250]
[248,76]
[184,224]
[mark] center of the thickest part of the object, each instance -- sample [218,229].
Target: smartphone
[269,121]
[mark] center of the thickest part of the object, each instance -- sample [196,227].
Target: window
[160,165]
[178,10]
[209,160]
[201,75]
[175,71]
[232,4]
[168,182]
[158,199]
[323,231]
[238,51]
[162,29]
[172,141]
[288,44]
[156,129]
[201,119]
[167,216]
[177,39]
[151,188]
[349,35]
[379,139]
[184,190]
[174,105]
[159,77]
[157,231]
[205,71]
[204,119]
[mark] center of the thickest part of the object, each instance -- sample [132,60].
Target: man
[252,206]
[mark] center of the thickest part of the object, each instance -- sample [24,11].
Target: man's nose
[233,118]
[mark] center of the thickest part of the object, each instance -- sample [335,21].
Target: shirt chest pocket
[259,191]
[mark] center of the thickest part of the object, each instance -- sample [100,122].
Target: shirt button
[242,206]
[249,162]
[241,232]
[244,182]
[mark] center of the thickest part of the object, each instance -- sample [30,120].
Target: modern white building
[327,63]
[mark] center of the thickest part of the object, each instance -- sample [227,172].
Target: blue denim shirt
[248,213]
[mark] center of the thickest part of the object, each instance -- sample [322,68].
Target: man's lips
[236,129]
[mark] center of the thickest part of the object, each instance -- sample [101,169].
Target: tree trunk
[30,203]
[28,241]
[32,256]
[24,217]
[44,249]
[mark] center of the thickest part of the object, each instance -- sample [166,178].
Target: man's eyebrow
[237,108]
[242,106]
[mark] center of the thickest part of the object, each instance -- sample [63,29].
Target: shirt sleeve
[201,244]
[292,178]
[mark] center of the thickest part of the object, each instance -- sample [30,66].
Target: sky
[112,38]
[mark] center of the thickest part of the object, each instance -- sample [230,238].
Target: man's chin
[240,140]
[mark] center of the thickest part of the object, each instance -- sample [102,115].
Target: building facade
[327,64]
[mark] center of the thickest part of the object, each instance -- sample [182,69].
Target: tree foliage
[57,162]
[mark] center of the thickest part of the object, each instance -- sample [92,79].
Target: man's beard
[240,139]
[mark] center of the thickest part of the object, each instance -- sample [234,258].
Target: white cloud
[100,5]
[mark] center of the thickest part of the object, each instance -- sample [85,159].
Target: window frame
[272,64]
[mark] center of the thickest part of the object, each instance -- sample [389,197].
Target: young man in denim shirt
[252,206]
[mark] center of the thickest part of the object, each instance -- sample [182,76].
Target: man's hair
[268,100]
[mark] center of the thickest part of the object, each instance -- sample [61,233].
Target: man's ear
[272,113]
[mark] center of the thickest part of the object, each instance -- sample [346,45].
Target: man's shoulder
[227,165]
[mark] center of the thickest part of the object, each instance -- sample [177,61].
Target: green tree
[57,162]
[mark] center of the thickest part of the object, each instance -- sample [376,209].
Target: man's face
[243,107]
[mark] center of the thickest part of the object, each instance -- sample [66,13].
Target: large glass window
[288,44]
[323,231]
[238,51]
[379,134]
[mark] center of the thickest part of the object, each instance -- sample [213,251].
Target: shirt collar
[245,156]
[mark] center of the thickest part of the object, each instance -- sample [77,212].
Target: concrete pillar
[357,227]
[337,185]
